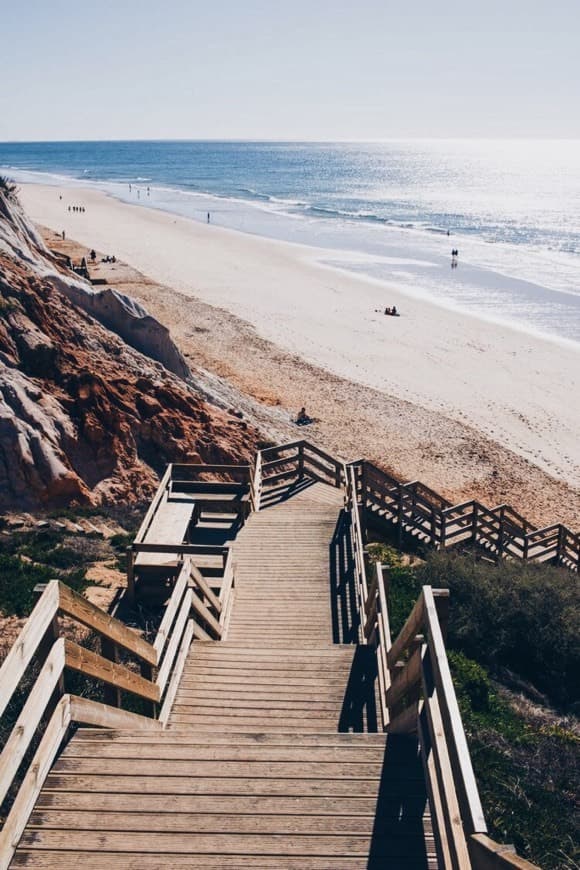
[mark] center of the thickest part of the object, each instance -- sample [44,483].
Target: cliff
[84,415]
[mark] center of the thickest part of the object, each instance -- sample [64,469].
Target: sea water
[393,210]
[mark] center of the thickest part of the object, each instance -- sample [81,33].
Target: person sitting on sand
[394,311]
[388,311]
[303,419]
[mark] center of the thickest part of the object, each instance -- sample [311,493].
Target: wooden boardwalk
[271,757]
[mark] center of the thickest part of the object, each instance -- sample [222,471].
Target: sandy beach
[469,407]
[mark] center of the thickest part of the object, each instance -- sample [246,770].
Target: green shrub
[17,581]
[403,587]
[471,681]
[524,618]
[527,772]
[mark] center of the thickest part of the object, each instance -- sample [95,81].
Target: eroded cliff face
[84,416]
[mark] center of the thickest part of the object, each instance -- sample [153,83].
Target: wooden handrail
[79,608]
[192,596]
[16,662]
[148,518]
[503,531]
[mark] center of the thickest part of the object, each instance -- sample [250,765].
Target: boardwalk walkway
[271,757]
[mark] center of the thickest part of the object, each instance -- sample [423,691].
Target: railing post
[434,540]
[561,552]
[441,597]
[130,575]
[337,475]
[51,635]
[363,500]
[400,513]
[443,540]
[301,461]
[474,523]
[500,533]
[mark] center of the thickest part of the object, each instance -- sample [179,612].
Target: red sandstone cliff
[84,416]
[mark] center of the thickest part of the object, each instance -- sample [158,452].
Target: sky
[296,70]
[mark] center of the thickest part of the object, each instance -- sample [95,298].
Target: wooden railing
[256,487]
[416,511]
[123,663]
[413,509]
[291,463]
[416,696]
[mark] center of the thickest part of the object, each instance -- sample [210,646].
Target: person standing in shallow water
[208,217]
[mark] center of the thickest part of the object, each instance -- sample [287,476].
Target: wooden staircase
[265,742]
[252,770]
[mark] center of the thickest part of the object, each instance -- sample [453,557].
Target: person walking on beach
[208,217]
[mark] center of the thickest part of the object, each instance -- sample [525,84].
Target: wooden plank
[488,855]
[170,611]
[20,655]
[177,673]
[201,610]
[161,489]
[277,478]
[412,627]
[93,617]
[432,786]
[275,463]
[33,781]
[323,455]
[227,583]
[200,633]
[174,642]
[190,785]
[405,679]
[214,844]
[154,747]
[446,784]
[233,823]
[291,445]
[472,811]
[27,723]
[216,803]
[93,665]
[202,584]
[72,860]
[89,712]
[206,487]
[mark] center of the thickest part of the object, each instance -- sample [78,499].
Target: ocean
[390,210]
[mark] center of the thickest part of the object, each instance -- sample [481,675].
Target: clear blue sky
[297,69]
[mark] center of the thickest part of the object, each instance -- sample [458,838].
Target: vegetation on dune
[519,621]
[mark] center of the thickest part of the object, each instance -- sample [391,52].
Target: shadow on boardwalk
[359,708]
[345,618]
[398,839]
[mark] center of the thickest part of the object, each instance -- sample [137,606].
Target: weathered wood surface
[168,525]
[252,770]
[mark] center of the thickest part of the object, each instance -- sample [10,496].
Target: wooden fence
[290,463]
[416,511]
